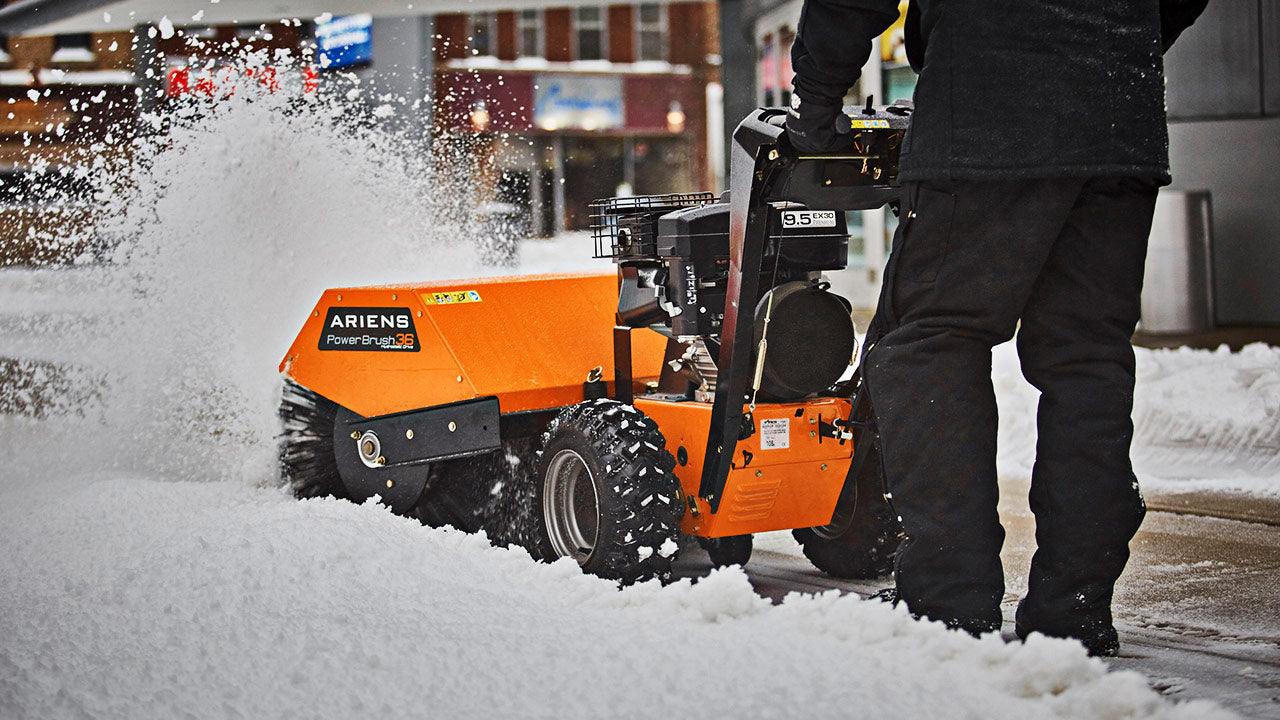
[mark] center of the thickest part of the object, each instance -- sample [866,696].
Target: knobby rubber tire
[637,499]
[726,551]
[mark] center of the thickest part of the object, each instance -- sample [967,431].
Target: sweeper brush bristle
[306,443]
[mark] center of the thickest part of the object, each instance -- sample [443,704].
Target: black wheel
[605,492]
[862,539]
[726,551]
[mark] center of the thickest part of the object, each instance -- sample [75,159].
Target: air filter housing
[811,339]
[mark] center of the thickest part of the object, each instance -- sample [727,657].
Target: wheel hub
[570,506]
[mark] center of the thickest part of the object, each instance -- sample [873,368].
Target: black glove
[811,127]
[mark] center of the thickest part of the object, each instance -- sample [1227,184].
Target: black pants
[970,261]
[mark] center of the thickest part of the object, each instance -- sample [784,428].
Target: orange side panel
[784,476]
[529,340]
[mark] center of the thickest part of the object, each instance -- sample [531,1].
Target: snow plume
[227,216]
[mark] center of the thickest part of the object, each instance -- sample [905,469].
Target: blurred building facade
[70,100]
[555,106]
[569,105]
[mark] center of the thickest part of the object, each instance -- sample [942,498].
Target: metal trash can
[1177,294]
[501,227]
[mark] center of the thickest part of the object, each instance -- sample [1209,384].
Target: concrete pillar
[403,66]
[148,68]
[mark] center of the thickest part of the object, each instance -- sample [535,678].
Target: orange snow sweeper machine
[707,388]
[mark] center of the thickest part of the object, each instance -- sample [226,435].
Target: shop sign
[222,81]
[344,41]
[577,102]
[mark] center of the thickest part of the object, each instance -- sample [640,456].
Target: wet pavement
[1197,606]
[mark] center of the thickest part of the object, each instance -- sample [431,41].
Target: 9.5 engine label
[808,218]
[363,328]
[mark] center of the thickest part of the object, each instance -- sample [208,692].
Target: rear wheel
[726,551]
[862,538]
[605,493]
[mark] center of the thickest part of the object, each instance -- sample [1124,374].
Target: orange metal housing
[769,488]
[529,340]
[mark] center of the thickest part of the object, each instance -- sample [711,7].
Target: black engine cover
[811,340]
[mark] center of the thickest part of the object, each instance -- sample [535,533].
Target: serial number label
[808,218]
[775,434]
[368,328]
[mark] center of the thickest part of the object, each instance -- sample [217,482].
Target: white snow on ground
[1203,420]
[130,597]
[151,568]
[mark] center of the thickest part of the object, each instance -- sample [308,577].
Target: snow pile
[1203,419]
[131,598]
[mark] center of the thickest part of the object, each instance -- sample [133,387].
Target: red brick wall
[622,36]
[687,25]
[506,35]
[559,28]
[452,42]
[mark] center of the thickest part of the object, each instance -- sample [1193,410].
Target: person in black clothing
[1029,177]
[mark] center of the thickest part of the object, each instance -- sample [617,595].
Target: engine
[672,253]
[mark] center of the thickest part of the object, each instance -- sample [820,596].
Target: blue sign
[578,102]
[344,41]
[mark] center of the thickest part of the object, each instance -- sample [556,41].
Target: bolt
[355,435]
[459,378]
[339,298]
[812,434]
[812,421]
[408,434]
[773,154]
[395,297]
[419,313]
[453,426]
[391,483]
[382,460]
[824,466]
[315,313]
[759,473]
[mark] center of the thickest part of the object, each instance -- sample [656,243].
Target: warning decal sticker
[453,297]
[775,434]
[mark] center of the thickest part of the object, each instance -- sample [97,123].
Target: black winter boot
[1097,634]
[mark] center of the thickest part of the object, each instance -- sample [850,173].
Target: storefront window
[768,71]
[483,34]
[589,29]
[71,48]
[529,33]
[785,73]
[651,31]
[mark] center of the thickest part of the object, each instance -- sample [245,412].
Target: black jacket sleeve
[1176,16]
[832,43]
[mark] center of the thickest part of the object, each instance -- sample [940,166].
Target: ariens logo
[369,321]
